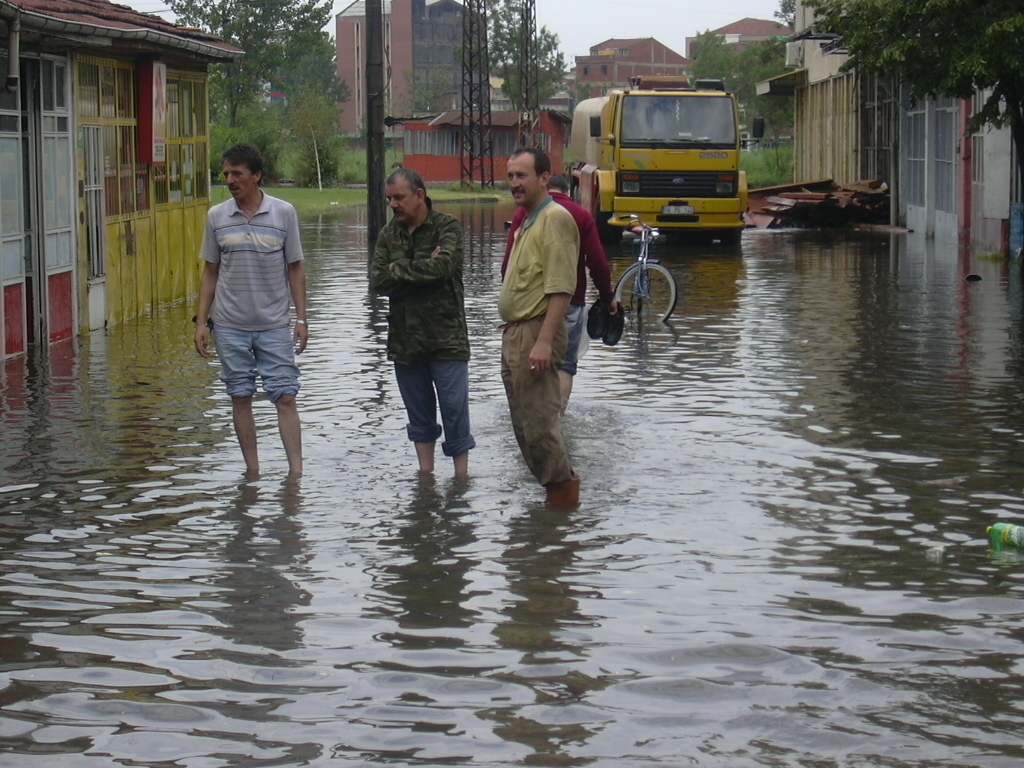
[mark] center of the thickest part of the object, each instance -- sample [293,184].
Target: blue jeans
[246,354]
[450,378]
[575,322]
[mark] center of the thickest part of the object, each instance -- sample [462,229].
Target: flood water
[779,560]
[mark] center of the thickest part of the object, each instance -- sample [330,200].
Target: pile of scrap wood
[819,204]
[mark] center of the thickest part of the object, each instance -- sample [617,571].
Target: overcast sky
[580,24]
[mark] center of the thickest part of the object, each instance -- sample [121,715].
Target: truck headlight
[631,186]
[726,185]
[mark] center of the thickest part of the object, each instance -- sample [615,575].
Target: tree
[786,12]
[430,87]
[272,34]
[714,59]
[952,48]
[741,71]
[313,128]
[504,36]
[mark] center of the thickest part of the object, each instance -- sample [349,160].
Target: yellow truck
[666,151]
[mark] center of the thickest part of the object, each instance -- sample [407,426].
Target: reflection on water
[779,559]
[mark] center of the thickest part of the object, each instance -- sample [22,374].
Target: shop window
[88,90]
[173,117]
[57,181]
[46,84]
[11,262]
[160,193]
[186,176]
[107,96]
[125,94]
[110,193]
[108,93]
[173,173]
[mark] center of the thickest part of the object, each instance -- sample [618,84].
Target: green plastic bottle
[1006,535]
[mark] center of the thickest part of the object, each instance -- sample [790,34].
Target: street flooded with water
[779,560]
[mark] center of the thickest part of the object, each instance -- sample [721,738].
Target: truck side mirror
[595,127]
[758,127]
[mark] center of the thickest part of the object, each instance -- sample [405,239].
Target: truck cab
[665,151]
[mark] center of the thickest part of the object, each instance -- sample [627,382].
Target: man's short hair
[541,161]
[244,154]
[415,183]
[559,184]
[409,175]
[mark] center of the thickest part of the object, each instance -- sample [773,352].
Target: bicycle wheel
[649,295]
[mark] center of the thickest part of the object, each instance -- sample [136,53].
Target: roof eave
[38,22]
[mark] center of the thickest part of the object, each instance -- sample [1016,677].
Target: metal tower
[477,149]
[529,74]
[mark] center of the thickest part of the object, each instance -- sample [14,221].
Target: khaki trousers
[535,399]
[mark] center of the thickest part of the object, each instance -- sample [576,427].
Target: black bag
[614,326]
[597,319]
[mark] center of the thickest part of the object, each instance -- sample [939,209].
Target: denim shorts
[575,321]
[246,354]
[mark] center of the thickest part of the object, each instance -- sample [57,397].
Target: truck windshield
[678,120]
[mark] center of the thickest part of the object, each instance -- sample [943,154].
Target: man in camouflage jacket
[417,264]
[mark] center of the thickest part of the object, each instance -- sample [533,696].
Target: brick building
[742,33]
[610,64]
[421,43]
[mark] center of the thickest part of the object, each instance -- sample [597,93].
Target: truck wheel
[609,235]
[730,238]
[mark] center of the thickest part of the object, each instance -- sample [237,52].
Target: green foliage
[768,167]
[254,126]
[287,52]
[786,13]
[284,44]
[742,70]
[430,89]
[940,48]
[504,41]
[313,129]
[351,159]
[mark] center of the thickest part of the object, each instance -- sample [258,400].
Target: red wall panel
[14,319]
[62,306]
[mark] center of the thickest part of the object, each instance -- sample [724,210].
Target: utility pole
[376,217]
[529,74]
[477,148]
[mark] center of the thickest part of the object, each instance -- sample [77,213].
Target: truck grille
[676,185]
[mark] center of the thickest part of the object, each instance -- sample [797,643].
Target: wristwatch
[301,322]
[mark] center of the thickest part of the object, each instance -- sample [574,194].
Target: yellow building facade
[104,166]
[142,223]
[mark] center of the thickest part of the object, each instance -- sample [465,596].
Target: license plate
[679,210]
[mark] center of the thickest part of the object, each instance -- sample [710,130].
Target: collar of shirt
[532,216]
[262,209]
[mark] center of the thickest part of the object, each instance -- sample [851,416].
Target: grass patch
[313,201]
[768,167]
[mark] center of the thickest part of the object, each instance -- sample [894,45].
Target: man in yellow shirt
[540,280]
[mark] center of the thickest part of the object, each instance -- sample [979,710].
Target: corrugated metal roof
[107,19]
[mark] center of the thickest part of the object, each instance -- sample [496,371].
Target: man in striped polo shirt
[253,273]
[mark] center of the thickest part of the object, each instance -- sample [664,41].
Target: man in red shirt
[592,258]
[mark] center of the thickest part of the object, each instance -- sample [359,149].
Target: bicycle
[647,289]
